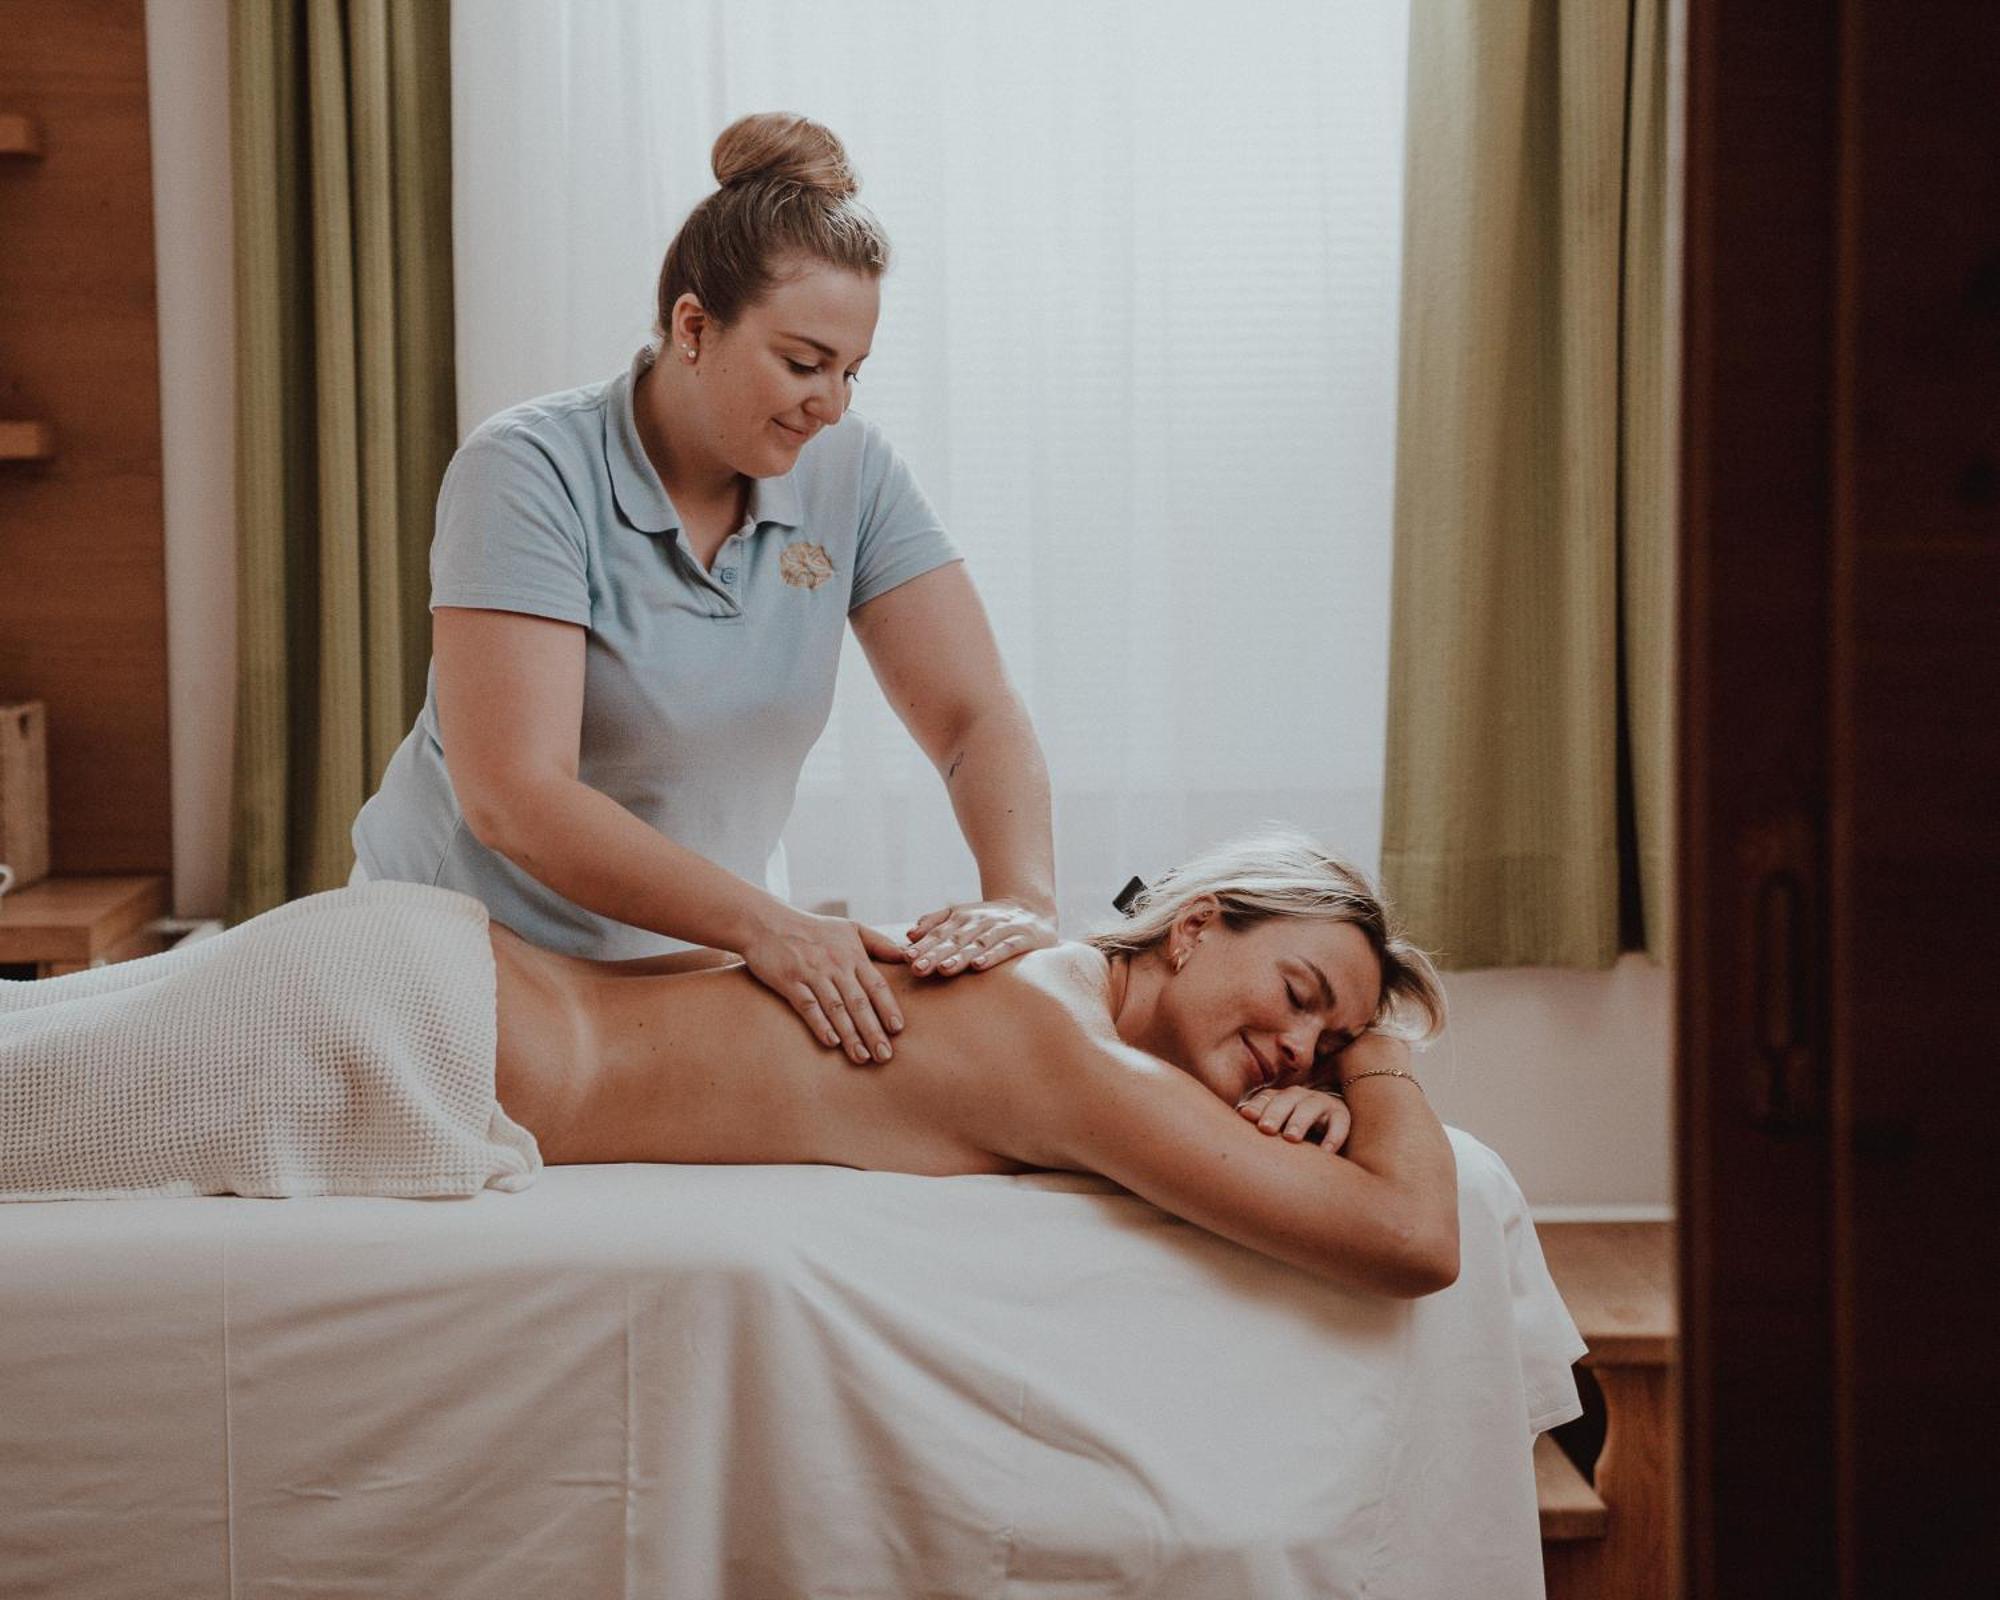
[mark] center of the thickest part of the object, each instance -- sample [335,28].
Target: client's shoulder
[1041,1000]
[1073,977]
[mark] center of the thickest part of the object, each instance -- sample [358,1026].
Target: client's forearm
[1397,1139]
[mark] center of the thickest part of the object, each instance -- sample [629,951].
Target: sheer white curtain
[1138,343]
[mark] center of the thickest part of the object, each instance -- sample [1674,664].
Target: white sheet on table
[755,1382]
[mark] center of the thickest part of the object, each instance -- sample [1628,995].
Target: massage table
[743,1383]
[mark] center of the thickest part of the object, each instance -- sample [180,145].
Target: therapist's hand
[822,967]
[973,937]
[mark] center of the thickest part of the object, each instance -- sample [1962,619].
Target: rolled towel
[341,1044]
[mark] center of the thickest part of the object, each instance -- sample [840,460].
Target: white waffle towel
[341,1044]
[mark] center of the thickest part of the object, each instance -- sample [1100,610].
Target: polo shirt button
[728,574]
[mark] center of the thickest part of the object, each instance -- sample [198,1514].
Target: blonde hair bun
[781,146]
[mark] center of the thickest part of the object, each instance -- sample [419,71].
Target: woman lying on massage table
[1241,982]
[345,1044]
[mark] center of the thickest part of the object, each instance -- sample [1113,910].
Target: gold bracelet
[1383,1072]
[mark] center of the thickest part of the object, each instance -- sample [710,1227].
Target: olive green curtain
[345,412]
[1528,790]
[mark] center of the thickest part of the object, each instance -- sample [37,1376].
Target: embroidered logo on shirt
[805,566]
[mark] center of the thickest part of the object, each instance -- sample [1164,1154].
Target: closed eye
[804,371]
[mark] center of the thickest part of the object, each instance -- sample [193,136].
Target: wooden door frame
[1837,1002]
[1759,296]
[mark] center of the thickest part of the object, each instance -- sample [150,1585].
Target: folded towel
[341,1044]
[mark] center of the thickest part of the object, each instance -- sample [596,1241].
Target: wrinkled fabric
[752,1382]
[339,1044]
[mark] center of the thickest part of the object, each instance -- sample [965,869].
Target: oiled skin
[1008,1070]
[621,1062]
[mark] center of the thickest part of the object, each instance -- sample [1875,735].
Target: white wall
[1565,1074]
[1568,1076]
[187,52]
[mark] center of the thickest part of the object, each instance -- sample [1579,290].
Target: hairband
[1123,901]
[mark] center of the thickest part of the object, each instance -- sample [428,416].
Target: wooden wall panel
[82,536]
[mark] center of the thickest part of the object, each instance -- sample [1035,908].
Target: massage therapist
[639,589]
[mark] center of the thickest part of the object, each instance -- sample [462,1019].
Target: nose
[1298,1044]
[828,401]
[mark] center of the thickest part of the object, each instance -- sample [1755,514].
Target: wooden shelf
[20,136]
[1569,1507]
[1617,1278]
[66,924]
[27,441]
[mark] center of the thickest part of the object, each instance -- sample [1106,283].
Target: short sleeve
[901,536]
[508,534]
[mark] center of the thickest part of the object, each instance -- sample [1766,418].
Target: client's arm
[1382,1216]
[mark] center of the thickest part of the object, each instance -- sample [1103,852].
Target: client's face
[1269,1004]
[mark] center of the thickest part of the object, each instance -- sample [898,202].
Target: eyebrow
[826,350]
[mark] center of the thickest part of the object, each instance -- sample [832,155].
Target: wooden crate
[24,791]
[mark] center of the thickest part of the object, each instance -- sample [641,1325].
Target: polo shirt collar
[633,480]
[637,486]
[776,500]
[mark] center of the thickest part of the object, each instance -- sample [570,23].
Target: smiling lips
[797,433]
[1264,1073]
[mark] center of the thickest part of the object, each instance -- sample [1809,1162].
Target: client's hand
[978,935]
[1296,1112]
[822,967]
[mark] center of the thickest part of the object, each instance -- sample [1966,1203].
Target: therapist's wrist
[1040,903]
[757,916]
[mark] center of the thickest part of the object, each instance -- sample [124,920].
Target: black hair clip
[1123,901]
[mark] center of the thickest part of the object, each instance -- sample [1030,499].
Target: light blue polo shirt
[703,689]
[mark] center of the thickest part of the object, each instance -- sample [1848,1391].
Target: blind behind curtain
[1528,791]
[341,130]
[1138,343]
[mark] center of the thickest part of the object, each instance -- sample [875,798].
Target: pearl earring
[690,352]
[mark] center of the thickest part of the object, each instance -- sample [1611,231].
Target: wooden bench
[1611,1534]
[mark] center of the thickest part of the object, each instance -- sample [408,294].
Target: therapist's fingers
[1001,950]
[995,930]
[928,921]
[834,1004]
[971,952]
[881,946]
[882,998]
[944,951]
[807,1005]
[867,1023]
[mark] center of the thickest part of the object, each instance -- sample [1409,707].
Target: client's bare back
[608,1062]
